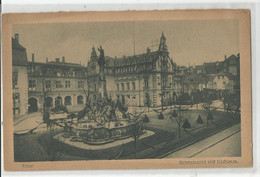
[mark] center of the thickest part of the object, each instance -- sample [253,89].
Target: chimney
[16,37]
[57,60]
[46,59]
[32,57]
[148,50]
[225,56]
[63,59]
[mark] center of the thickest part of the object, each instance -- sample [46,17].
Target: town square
[131,94]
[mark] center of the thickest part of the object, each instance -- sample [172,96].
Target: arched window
[67,100]
[33,105]
[58,101]
[48,102]
[80,99]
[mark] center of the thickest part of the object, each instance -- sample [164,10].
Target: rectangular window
[128,96]
[48,84]
[117,87]
[32,84]
[146,83]
[128,86]
[16,111]
[123,86]
[16,99]
[164,80]
[80,84]
[58,84]
[67,84]
[31,69]
[15,79]
[133,85]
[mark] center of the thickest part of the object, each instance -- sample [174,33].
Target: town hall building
[138,80]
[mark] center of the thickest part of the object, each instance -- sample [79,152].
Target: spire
[162,45]
[163,36]
[93,53]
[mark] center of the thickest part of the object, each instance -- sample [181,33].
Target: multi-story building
[135,80]
[56,83]
[53,83]
[19,77]
[151,78]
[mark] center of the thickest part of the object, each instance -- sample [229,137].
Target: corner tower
[163,46]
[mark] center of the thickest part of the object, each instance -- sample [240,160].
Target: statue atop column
[101,60]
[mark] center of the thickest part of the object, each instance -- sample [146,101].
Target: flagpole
[134,36]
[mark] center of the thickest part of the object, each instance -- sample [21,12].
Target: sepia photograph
[128,90]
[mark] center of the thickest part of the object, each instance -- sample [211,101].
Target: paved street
[29,122]
[223,144]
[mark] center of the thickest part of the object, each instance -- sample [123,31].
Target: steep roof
[19,55]
[213,67]
[232,57]
[194,79]
[65,64]
[132,60]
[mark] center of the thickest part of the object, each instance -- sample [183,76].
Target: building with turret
[138,80]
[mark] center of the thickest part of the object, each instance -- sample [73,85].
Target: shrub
[161,116]
[199,120]
[186,124]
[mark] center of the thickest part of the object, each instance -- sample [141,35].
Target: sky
[189,42]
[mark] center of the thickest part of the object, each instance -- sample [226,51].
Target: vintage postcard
[127,90]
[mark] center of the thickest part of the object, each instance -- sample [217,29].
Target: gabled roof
[232,57]
[19,55]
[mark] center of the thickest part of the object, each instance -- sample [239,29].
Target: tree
[232,103]
[147,101]
[174,113]
[179,117]
[199,120]
[208,106]
[146,119]
[136,131]
[209,116]
[46,113]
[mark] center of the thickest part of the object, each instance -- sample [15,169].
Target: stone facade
[136,80]
[58,83]
[19,78]
[148,79]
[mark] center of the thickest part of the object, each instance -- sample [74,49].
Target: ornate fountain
[103,122]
